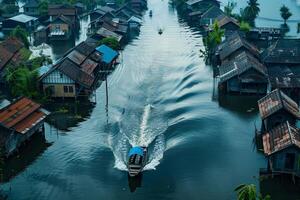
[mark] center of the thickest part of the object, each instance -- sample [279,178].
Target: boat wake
[149,133]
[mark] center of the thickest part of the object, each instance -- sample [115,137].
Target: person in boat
[150,13]
[136,160]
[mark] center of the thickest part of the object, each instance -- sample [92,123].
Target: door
[289,161]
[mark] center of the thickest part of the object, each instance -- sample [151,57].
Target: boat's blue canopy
[136,150]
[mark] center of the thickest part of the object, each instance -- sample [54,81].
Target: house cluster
[280,137]
[79,72]
[116,22]
[261,61]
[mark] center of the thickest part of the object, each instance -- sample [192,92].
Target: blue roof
[136,150]
[44,69]
[108,54]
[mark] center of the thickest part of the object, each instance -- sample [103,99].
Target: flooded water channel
[161,96]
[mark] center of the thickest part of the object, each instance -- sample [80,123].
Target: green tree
[43,8]
[9,9]
[22,81]
[228,9]
[248,192]
[21,34]
[111,42]
[244,26]
[285,13]
[214,38]
[250,12]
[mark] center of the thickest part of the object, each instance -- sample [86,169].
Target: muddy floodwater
[163,96]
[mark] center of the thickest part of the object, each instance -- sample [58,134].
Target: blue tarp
[136,150]
[108,54]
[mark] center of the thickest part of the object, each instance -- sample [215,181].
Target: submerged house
[60,28]
[69,12]
[234,45]
[105,33]
[277,108]
[100,12]
[210,16]
[282,147]
[109,56]
[76,74]
[229,24]
[138,5]
[243,74]
[264,33]
[201,5]
[26,22]
[283,53]
[31,8]
[19,121]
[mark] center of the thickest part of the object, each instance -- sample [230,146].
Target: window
[61,75]
[66,89]
[71,89]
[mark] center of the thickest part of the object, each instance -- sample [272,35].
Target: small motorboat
[150,13]
[137,158]
[160,31]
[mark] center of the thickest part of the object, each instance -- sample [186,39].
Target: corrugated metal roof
[281,137]
[21,115]
[275,101]
[233,43]
[108,54]
[23,18]
[240,64]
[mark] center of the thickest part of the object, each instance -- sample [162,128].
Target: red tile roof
[281,137]
[21,115]
[275,101]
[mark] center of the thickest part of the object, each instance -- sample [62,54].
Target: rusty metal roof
[233,43]
[281,137]
[240,64]
[66,10]
[8,49]
[21,115]
[76,57]
[275,101]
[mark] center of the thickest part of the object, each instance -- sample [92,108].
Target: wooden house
[201,5]
[210,16]
[60,28]
[26,22]
[76,74]
[282,147]
[109,56]
[134,22]
[19,121]
[264,33]
[69,12]
[126,12]
[31,8]
[80,8]
[10,50]
[102,11]
[277,108]
[234,45]
[138,5]
[287,79]
[283,52]
[243,74]
[229,24]
[105,33]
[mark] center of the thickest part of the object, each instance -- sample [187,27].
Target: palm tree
[248,192]
[285,13]
[250,12]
